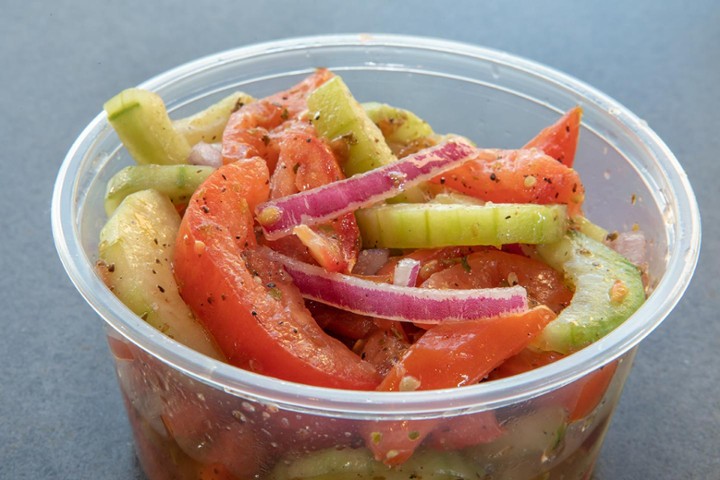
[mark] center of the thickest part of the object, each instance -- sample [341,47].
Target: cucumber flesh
[596,232]
[339,118]
[178,182]
[208,125]
[359,464]
[136,250]
[398,126]
[432,225]
[141,121]
[531,442]
[608,290]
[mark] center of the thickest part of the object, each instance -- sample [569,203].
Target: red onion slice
[406,272]
[311,207]
[406,304]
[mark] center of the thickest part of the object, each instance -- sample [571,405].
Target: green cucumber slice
[178,182]
[136,249]
[208,125]
[431,225]
[608,289]
[397,125]
[359,464]
[141,121]
[338,117]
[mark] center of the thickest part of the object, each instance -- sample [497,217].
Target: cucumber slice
[431,225]
[141,121]
[359,464]
[178,182]
[532,442]
[397,125]
[596,232]
[608,289]
[338,117]
[136,250]
[208,125]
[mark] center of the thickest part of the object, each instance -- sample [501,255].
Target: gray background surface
[60,409]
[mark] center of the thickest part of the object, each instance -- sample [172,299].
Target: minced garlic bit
[618,291]
[199,247]
[269,215]
[512,279]
[408,383]
[391,454]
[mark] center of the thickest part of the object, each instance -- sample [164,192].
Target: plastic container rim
[683,251]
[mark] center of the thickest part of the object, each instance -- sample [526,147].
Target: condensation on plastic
[494,98]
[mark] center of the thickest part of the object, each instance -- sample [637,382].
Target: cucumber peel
[398,126]
[178,182]
[608,290]
[141,121]
[136,250]
[338,117]
[208,125]
[334,464]
[431,225]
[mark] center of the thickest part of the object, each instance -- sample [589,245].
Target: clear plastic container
[193,417]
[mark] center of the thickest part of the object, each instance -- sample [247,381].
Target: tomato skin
[340,323]
[518,176]
[460,432]
[592,390]
[493,268]
[246,301]
[449,355]
[383,349]
[560,139]
[247,134]
[454,354]
[306,162]
[213,439]
[431,260]
[579,398]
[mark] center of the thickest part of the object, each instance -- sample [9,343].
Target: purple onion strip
[408,304]
[311,207]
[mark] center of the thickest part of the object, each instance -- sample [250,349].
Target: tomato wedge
[518,176]
[245,300]
[247,132]
[560,139]
[449,355]
[494,268]
[579,398]
[305,162]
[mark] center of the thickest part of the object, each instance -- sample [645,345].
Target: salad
[311,238]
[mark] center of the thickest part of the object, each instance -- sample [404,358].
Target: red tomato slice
[228,445]
[246,134]
[246,301]
[494,268]
[431,260]
[519,176]
[340,323]
[592,390]
[464,431]
[579,398]
[383,349]
[560,139]
[305,162]
[449,355]
[524,362]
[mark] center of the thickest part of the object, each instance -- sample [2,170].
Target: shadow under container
[193,417]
